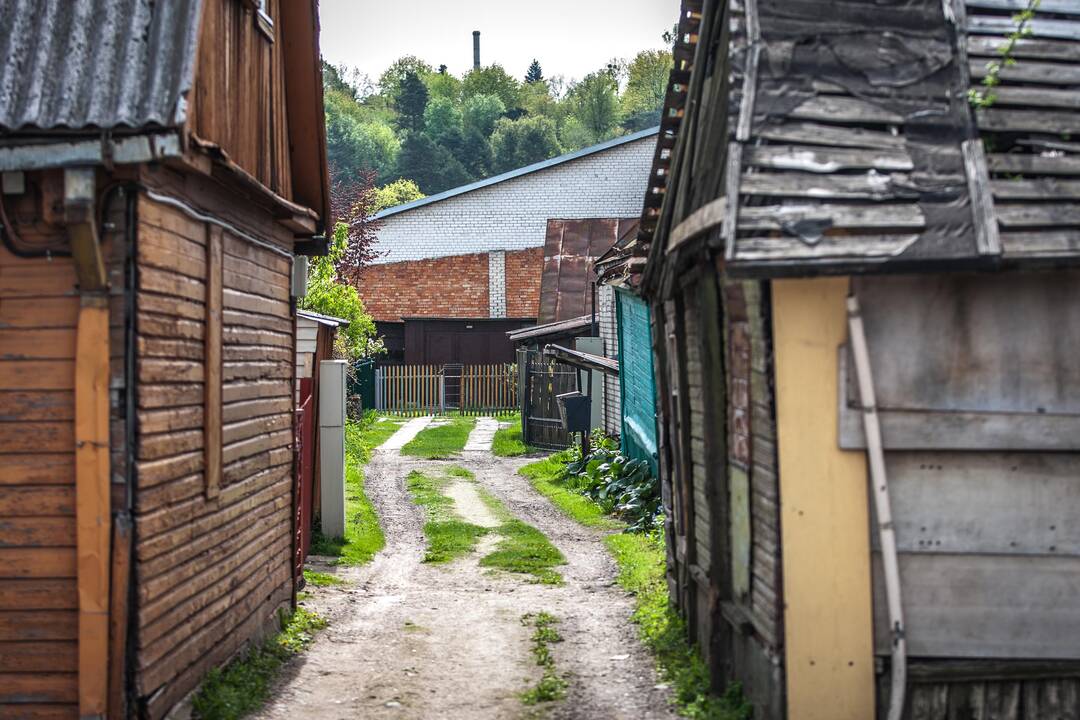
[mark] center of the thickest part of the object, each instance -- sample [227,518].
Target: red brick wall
[523,269]
[455,286]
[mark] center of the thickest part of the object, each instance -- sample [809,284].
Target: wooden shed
[162,163]
[865,320]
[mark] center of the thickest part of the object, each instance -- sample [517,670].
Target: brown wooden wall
[212,547]
[38,600]
[239,97]
[718,469]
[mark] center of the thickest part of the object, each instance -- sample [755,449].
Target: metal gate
[362,383]
[542,380]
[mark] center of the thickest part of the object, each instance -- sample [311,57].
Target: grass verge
[363,535]
[522,548]
[242,686]
[507,441]
[441,441]
[641,560]
[551,686]
[546,475]
[321,579]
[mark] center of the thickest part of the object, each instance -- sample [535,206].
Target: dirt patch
[413,640]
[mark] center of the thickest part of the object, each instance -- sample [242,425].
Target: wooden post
[118,617]
[92,501]
[212,387]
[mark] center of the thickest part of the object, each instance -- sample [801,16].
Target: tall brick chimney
[476,49]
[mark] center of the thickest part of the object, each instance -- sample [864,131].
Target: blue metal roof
[535,167]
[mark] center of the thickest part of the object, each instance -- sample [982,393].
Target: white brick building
[510,211]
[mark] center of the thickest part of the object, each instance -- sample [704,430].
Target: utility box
[574,411]
[332,447]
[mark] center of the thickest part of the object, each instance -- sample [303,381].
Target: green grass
[363,535]
[449,537]
[642,565]
[441,441]
[521,549]
[551,685]
[321,579]
[546,476]
[507,441]
[242,686]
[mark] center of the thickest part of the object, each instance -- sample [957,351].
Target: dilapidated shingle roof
[95,64]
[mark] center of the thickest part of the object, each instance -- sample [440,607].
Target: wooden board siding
[38,600]
[239,96]
[211,569]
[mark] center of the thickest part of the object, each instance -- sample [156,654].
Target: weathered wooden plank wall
[239,97]
[211,568]
[38,599]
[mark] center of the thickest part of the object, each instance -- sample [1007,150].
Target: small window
[263,19]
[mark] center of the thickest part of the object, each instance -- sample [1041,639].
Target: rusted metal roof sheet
[570,250]
[96,64]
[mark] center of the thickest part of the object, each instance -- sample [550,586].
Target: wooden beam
[92,501]
[118,615]
[213,353]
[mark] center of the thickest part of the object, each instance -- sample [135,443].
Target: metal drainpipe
[880,486]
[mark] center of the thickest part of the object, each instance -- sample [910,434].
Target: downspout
[880,487]
[93,525]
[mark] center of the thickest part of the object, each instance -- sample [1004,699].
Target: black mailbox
[575,411]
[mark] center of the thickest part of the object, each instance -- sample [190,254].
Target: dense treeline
[423,124]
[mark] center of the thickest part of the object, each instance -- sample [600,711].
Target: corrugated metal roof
[96,64]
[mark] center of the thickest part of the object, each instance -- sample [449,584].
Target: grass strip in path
[546,476]
[363,535]
[521,549]
[438,442]
[242,686]
[551,686]
[449,537]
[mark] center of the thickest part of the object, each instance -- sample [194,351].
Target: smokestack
[476,49]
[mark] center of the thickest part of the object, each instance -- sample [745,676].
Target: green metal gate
[362,383]
[636,383]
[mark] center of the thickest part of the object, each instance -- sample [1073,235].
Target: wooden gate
[543,380]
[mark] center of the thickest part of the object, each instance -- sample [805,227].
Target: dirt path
[410,640]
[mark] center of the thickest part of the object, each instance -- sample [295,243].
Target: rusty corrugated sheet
[571,248]
[95,64]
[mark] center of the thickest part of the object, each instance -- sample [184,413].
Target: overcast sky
[568,37]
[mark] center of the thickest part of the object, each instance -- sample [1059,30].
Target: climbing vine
[984,97]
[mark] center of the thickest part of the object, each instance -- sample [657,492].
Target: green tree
[411,103]
[328,294]
[443,124]
[442,85]
[535,73]
[354,143]
[399,192]
[646,86]
[476,154]
[492,80]
[392,78]
[481,113]
[430,165]
[594,102]
[521,142]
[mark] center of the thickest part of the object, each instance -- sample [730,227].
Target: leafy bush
[619,485]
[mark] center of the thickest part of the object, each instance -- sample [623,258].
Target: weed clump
[551,685]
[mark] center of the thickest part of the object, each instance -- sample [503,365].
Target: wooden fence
[462,389]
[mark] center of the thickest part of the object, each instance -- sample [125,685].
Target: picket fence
[459,389]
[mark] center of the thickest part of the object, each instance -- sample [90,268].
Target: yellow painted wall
[824,513]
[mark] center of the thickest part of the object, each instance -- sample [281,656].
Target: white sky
[568,37]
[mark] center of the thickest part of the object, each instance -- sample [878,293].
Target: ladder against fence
[465,389]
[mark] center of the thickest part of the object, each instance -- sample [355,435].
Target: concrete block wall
[513,214]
